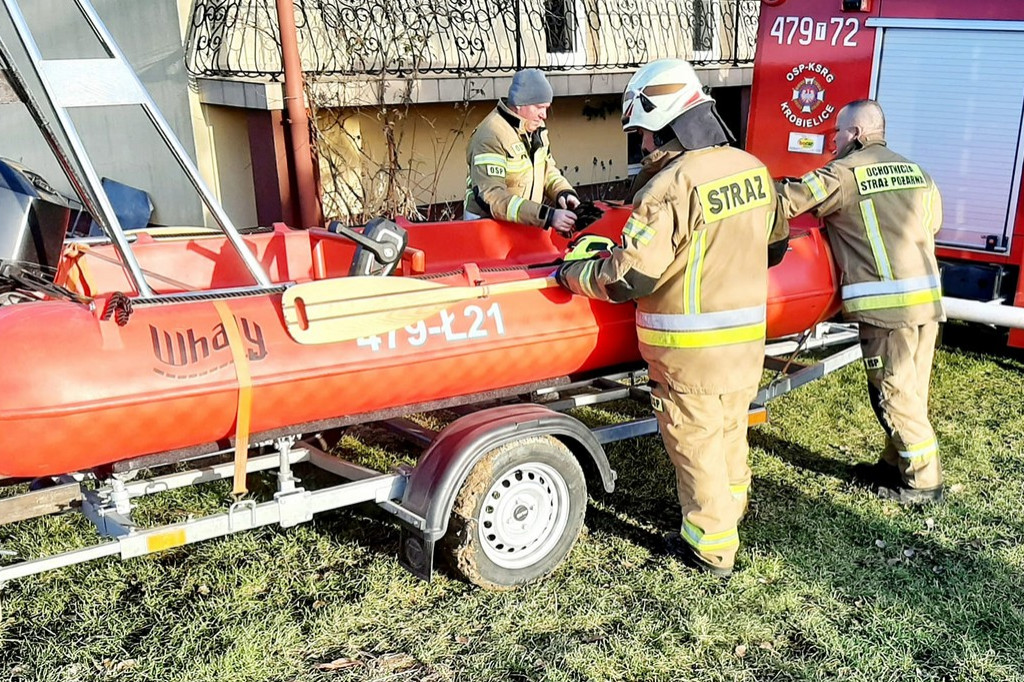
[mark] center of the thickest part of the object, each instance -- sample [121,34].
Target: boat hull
[79,392]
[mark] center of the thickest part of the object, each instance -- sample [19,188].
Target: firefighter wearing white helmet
[694,256]
[882,212]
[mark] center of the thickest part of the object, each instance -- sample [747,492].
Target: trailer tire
[518,514]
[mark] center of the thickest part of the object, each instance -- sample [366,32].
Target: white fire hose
[993,313]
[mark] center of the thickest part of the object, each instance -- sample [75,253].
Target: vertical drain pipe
[298,119]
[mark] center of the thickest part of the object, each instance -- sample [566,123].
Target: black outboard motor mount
[380,246]
[34,219]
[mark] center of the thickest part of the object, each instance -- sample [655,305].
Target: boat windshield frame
[109,82]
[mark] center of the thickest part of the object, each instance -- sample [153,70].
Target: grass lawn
[832,583]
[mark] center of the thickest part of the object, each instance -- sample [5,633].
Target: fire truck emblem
[808,95]
[804,104]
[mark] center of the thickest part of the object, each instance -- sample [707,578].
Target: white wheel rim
[524,515]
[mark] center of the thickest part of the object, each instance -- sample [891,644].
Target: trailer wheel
[518,514]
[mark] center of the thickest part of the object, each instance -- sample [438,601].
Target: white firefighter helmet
[659,92]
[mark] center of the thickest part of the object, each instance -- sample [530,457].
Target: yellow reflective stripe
[814,184]
[738,490]
[703,338]
[694,266]
[700,270]
[492,159]
[469,195]
[923,450]
[709,542]
[518,166]
[587,279]
[769,223]
[882,301]
[874,233]
[513,208]
[928,217]
[641,232]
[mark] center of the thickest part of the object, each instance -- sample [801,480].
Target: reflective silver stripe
[874,232]
[722,319]
[814,184]
[891,286]
[469,215]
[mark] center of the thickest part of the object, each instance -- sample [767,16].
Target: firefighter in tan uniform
[512,175]
[694,256]
[882,212]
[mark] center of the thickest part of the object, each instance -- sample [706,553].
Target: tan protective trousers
[898,363]
[706,439]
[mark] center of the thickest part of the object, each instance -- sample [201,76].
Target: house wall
[429,142]
[223,138]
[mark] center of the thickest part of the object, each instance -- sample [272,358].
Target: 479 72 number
[837,31]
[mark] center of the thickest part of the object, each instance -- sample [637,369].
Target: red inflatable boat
[79,391]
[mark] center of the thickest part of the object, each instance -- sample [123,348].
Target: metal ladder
[69,83]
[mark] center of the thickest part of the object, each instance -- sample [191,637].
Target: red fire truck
[949,75]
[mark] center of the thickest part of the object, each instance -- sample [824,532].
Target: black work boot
[912,496]
[881,474]
[680,549]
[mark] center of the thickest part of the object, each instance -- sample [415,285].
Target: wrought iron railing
[240,38]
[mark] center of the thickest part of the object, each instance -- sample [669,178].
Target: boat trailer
[540,488]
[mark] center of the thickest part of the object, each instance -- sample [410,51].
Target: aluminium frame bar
[76,162]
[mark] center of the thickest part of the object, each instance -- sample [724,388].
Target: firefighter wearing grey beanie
[529,86]
[512,175]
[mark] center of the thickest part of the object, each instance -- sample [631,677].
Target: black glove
[587,214]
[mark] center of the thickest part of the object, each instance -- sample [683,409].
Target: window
[563,31]
[703,25]
[559,25]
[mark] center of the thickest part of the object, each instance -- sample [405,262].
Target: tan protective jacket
[694,256]
[512,175]
[882,212]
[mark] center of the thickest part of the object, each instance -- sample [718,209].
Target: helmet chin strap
[701,127]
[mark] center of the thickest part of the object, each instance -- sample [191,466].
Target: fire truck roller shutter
[974,108]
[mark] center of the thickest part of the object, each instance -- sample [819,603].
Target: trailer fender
[438,476]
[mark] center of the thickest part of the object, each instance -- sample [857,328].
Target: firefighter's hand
[563,221]
[588,246]
[568,200]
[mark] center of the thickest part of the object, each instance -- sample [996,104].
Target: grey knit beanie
[529,86]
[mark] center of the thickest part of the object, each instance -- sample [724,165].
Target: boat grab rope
[119,307]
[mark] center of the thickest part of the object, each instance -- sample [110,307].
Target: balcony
[367,52]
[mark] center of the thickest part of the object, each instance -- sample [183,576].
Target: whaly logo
[189,350]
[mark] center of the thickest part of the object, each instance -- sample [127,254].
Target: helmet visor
[644,95]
